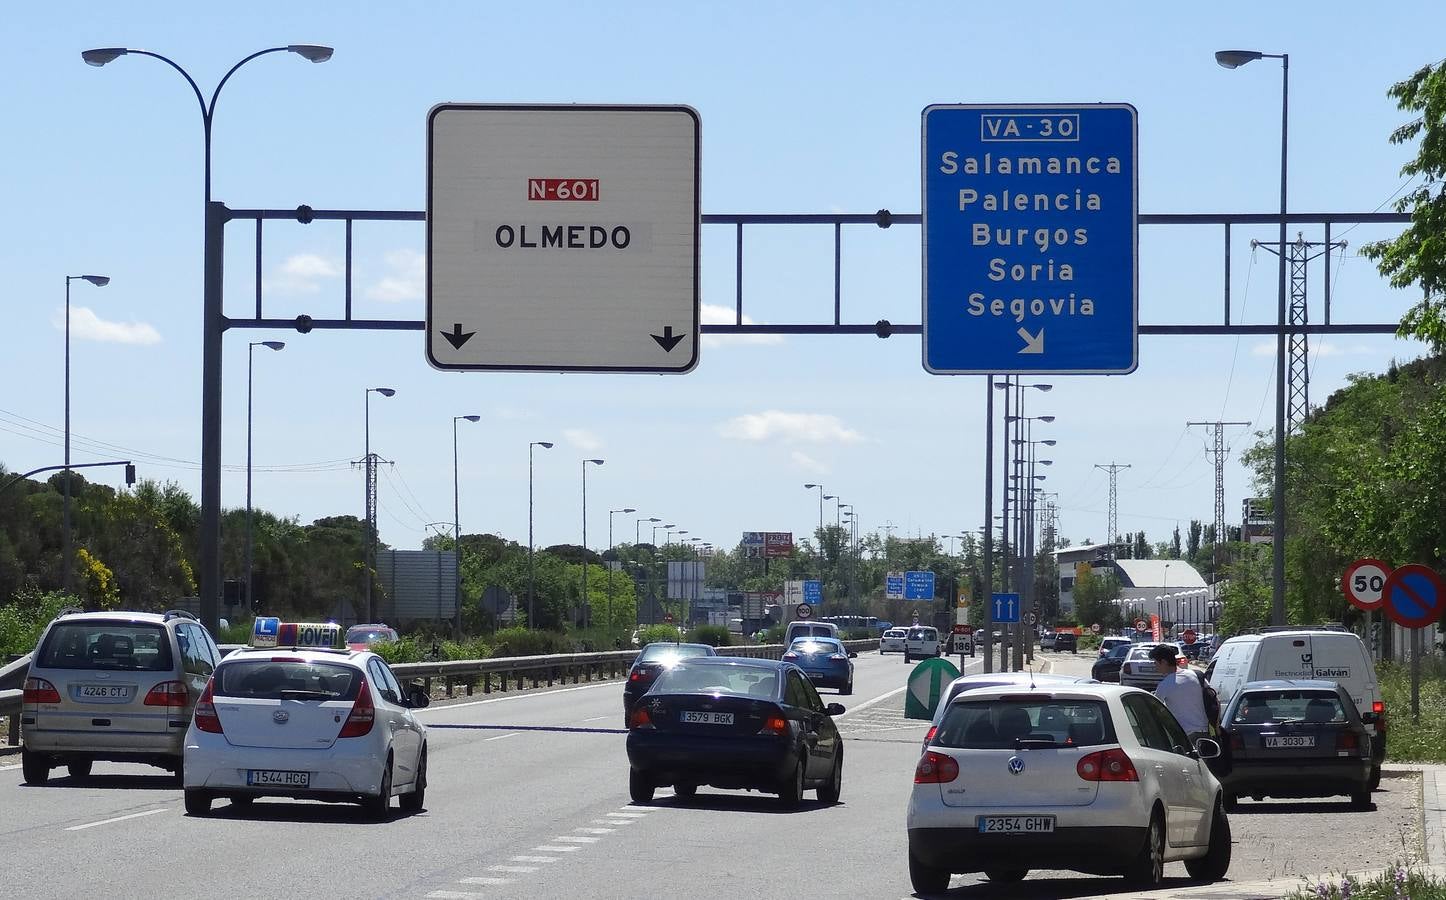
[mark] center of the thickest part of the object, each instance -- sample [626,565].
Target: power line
[1114,514]
[1219,452]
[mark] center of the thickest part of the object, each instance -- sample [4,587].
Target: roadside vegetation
[1400,882]
[1408,741]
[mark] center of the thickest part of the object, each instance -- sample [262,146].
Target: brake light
[363,713]
[205,716]
[167,693]
[929,735]
[1107,765]
[639,718]
[292,659]
[38,690]
[1348,741]
[935,768]
[774,724]
[1379,707]
[790,655]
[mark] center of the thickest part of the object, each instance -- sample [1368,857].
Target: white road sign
[562,238]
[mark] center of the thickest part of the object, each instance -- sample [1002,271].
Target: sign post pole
[1416,675]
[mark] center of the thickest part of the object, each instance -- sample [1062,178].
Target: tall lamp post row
[65,567]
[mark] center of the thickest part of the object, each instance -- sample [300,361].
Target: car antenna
[1031,677]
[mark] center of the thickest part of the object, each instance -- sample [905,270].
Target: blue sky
[805,107]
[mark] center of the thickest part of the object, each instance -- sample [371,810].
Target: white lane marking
[614,821]
[501,737]
[879,699]
[566,690]
[632,812]
[149,812]
[535,859]
[569,839]
[485,879]
[595,830]
[456,895]
[520,870]
[8,768]
[597,718]
[553,848]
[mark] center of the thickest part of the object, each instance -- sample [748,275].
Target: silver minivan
[113,686]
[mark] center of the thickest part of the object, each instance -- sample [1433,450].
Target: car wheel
[848,688]
[1005,876]
[790,793]
[829,792]
[685,791]
[906,657]
[178,771]
[1148,867]
[1216,861]
[243,801]
[1375,777]
[1361,799]
[35,767]
[640,787]
[416,800]
[377,808]
[198,803]
[79,769]
[927,879]
[1232,803]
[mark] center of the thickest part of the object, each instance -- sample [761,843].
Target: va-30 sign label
[1030,218]
[563,238]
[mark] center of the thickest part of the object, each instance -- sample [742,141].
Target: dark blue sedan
[824,661]
[734,723]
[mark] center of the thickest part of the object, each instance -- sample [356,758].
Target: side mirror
[1207,748]
[853,654]
[834,709]
[417,698]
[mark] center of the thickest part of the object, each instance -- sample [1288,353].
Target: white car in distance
[1094,778]
[306,722]
[892,641]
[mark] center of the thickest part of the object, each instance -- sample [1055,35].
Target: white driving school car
[292,717]
[1096,778]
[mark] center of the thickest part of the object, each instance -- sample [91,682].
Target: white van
[921,643]
[803,628]
[1320,653]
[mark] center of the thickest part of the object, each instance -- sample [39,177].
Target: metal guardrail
[10,707]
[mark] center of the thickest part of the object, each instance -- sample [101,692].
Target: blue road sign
[1006,607]
[1414,596]
[1031,259]
[813,592]
[894,587]
[918,585]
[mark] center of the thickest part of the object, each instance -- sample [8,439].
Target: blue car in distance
[824,661]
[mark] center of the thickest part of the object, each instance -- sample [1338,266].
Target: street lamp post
[1234,59]
[531,585]
[457,527]
[250,362]
[820,524]
[611,513]
[596,462]
[637,525]
[370,464]
[213,321]
[65,565]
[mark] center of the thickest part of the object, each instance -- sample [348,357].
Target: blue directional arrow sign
[918,585]
[1030,225]
[813,592]
[1006,607]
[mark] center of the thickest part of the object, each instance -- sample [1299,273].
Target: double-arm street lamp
[65,566]
[637,525]
[585,463]
[611,513]
[1234,59]
[250,362]
[457,526]
[370,465]
[531,585]
[213,322]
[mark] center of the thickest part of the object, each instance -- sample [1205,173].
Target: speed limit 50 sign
[1364,583]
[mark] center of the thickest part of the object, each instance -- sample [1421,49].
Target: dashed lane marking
[571,839]
[456,895]
[613,821]
[516,870]
[535,859]
[485,879]
[595,830]
[500,737]
[554,848]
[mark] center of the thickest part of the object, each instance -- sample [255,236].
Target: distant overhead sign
[918,585]
[813,592]
[562,238]
[1030,220]
[777,544]
[894,586]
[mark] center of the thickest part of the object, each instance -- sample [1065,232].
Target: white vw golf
[1095,778]
[305,722]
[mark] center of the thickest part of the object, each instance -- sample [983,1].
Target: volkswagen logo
[1016,765]
[281,716]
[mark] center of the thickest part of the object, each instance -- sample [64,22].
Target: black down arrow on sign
[457,337]
[667,340]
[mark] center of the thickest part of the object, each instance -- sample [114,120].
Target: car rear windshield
[816,645]
[741,681]
[270,679]
[655,652]
[1119,651]
[997,724]
[367,635]
[133,646]
[923,634]
[1279,707]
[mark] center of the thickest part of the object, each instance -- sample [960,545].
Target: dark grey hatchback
[734,723]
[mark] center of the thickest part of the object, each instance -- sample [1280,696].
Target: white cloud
[406,278]
[808,463]
[791,428]
[513,414]
[301,274]
[87,326]
[582,439]
[723,315]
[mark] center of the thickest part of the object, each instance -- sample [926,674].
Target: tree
[1192,547]
[1094,596]
[1175,543]
[1418,255]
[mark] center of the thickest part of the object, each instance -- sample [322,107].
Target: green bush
[236,633]
[406,650]
[1409,741]
[473,649]
[712,635]
[657,634]
[529,642]
[1399,881]
[1088,641]
[774,635]
[25,617]
[859,634]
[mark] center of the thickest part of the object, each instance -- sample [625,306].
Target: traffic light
[130,474]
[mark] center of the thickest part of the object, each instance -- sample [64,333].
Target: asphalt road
[528,798]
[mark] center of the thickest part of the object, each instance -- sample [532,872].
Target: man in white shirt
[1179,689]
